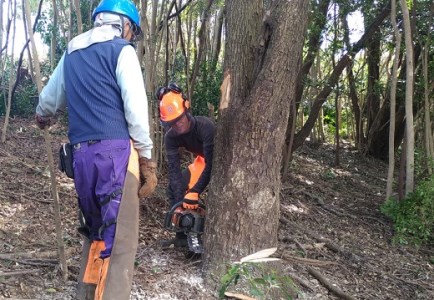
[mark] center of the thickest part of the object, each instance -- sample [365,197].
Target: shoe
[176,242]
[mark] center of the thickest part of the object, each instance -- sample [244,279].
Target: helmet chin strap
[122,27]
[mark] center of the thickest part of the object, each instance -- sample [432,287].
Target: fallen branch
[328,285]
[301,282]
[293,240]
[35,255]
[33,262]
[21,272]
[308,261]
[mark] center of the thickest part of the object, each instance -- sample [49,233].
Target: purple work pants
[99,174]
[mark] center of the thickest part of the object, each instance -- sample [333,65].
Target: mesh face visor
[167,124]
[137,31]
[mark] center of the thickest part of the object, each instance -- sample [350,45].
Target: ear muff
[186,104]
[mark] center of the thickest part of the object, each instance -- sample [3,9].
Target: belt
[89,142]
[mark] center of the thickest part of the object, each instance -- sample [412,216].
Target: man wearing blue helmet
[100,82]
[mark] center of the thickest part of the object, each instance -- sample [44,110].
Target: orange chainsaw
[189,221]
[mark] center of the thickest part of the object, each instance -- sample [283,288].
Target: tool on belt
[189,221]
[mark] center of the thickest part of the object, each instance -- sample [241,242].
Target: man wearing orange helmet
[196,135]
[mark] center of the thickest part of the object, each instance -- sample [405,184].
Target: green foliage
[328,174]
[207,89]
[260,280]
[25,97]
[46,30]
[24,102]
[413,217]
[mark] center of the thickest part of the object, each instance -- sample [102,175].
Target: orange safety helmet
[173,103]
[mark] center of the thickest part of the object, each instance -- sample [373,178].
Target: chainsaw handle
[178,204]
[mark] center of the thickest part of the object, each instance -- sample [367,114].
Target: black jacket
[200,141]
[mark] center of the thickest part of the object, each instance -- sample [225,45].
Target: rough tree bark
[260,67]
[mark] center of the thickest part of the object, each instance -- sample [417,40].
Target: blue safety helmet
[120,7]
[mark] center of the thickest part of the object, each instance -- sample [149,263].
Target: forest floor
[331,226]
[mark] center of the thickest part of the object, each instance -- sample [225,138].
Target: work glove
[42,122]
[191,201]
[148,176]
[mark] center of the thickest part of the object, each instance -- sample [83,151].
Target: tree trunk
[78,14]
[53,36]
[337,94]
[261,64]
[217,39]
[1,36]
[409,128]
[313,44]
[201,47]
[57,217]
[372,93]
[394,79]
[429,147]
[11,73]
[359,136]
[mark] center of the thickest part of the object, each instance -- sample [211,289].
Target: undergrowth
[413,217]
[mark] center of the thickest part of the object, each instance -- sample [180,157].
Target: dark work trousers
[185,180]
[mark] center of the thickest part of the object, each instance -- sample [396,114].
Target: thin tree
[201,46]
[337,94]
[60,245]
[429,147]
[54,36]
[394,80]
[11,71]
[78,15]
[409,127]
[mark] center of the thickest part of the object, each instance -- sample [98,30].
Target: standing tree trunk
[54,31]
[201,47]
[11,72]
[409,128]
[429,147]
[261,63]
[352,88]
[57,217]
[78,14]
[1,34]
[337,94]
[394,79]
[217,39]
